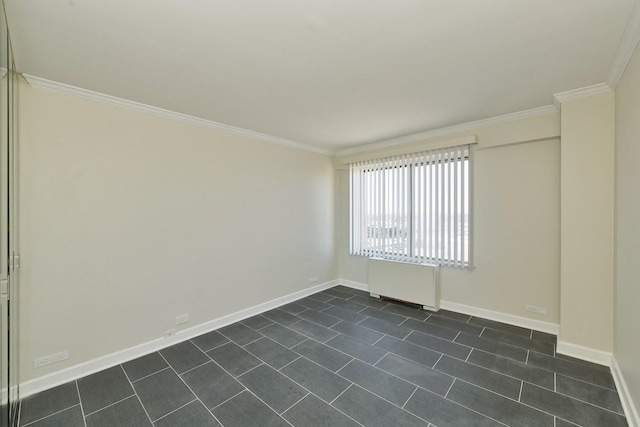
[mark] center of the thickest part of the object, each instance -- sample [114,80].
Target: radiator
[414,283]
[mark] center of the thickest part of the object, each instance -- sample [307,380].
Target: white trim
[505,118]
[585,353]
[40,83]
[630,411]
[354,285]
[627,46]
[583,92]
[525,322]
[74,372]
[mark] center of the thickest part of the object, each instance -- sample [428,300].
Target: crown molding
[583,92]
[630,40]
[511,117]
[40,83]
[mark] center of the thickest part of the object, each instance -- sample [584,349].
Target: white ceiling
[328,73]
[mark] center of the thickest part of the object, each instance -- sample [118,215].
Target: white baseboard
[538,325]
[630,410]
[354,285]
[585,353]
[92,366]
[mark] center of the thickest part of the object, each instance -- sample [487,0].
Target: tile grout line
[228,399]
[520,394]
[84,420]
[450,387]
[136,393]
[50,415]
[195,399]
[190,389]
[378,361]
[409,398]
[341,393]
[296,402]
[112,404]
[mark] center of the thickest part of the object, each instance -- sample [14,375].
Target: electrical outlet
[169,333]
[536,309]
[182,319]
[313,279]
[52,358]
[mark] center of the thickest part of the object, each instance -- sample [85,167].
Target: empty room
[319,213]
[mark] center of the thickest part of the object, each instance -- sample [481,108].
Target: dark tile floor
[341,358]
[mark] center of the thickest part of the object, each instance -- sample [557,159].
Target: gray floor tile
[385,327]
[365,335]
[162,393]
[420,375]
[322,319]
[128,413]
[191,415]
[379,382]
[246,410]
[520,341]
[337,293]
[49,402]
[370,301]
[273,388]
[239,333]
[313,412]
[281,317]
[319,296]
[407,311]
[103,388]
[599,396]
[357,349]
[383,315]
[522,371]
[272,353]
[445,413]
[450,348]
[372,411]
[454,324]
[358,292]
[348,315]
[347,289]
[563,423]
[453,315]
[431,329]
[346,304]
[71,417]
[499,326]
[210,340]
[570,409]
[143,366]
[184,356]
[583,362]
[212,384]
[501,384]
[282,335]
[323,355]
[257,322]
[491,346]
[574,370]
[313,330]
[314,303]
[497,407]
[409,351]
[543,336]
[318,380]
[234,359]
[293,308]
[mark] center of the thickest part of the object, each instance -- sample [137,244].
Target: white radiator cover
[414,283]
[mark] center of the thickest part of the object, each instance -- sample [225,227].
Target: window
[414,207]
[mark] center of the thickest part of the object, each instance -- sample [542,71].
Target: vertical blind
[414,207]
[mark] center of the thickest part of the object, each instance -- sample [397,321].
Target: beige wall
[128,220]
[627,268]
[587,223]
[517,222]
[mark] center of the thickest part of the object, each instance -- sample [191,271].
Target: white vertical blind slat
[413,207]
